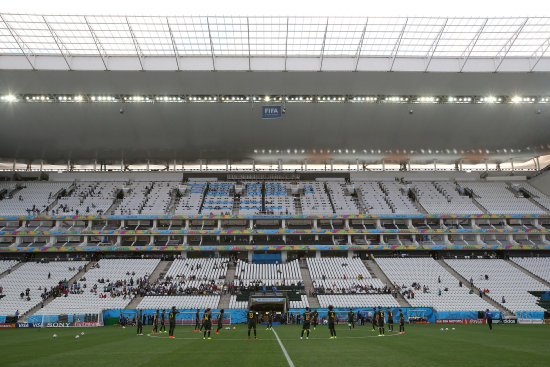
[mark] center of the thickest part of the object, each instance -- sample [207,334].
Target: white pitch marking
[284,350]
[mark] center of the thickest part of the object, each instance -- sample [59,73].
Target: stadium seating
[277,200]
[442,197]
[540,266]
[110,270]
[499,198]
[289,272]
[314,200]
[427,272]
[357,300]
[33,276]
[343,202]
[88,198]
[38,195]
[504,280]
[202,270]
[181,302]
[218,199]
[6,265]
[190,202]
[146,198]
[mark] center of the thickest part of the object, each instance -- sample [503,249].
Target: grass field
[422,345]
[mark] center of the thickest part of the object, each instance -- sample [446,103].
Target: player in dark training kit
[207,323]
[314,317]
[172,320]
[197,320]
[162,324]
[140,323]
[381,330]
[351,321]
[489,318]
[401,322]
[374,320]
[331,317]
[270,320]
[220,319]
[156,323]
[306,317]
[390,319]
[251,319]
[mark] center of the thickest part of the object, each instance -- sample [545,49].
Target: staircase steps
[308,285]
[376,272]
[230,277]
[467,283]
[36,308]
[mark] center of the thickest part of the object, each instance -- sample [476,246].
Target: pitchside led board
[271,112]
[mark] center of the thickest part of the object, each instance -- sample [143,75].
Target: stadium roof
[89,42]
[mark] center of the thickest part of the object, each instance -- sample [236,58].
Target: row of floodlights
[398,151]
[279,99]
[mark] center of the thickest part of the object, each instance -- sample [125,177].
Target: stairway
[79,275]
[308,285]
[329,197]
[467,283]
[481,207]
[159,273]
[236,205]
[225,298]
[13,268]
[527,272]
[359,201]
[376,272]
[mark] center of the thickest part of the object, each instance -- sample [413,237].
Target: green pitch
[422,345]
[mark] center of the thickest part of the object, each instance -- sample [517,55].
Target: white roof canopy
[273,43]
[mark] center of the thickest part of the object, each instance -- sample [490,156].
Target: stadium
[334,186]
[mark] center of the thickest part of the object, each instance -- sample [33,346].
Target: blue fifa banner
[271,112]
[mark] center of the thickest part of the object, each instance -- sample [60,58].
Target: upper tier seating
[357,300]
[442,197]
[426,272]
[386,197]
[146,198]
[218,200]
[540,266]
[504,281]
[33,195]
[498,198]
[88,198]
[315,200]
[343,203]
[536,195]
[33,276]
[190,202]
[277,200]
[251,202]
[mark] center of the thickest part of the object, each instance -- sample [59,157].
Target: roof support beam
[434,45]
[248,37]
[506,48]
[323,46]
[19,42]
[100,50]
[539,53]
[358,52]
[176,55]
[211,44]
[136,45]
[468,51]
[58,43]
[397,44]
[286,42]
